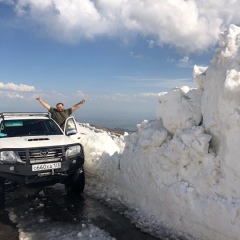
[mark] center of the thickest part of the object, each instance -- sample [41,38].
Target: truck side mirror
[71,131]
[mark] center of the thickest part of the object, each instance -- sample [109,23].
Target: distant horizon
[125,123]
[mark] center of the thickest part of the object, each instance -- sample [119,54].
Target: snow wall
[181,172]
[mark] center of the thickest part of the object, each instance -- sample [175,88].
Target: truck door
[71,130]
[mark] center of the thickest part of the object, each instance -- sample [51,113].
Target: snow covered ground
[179,173]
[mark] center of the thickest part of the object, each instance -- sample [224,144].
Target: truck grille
[41,155]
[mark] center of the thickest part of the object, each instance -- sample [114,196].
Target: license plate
[46,166]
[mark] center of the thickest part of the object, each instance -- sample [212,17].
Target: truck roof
[24,115]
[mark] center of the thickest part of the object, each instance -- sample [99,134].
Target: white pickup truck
[35,151]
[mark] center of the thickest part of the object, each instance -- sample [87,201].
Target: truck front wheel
[75,183]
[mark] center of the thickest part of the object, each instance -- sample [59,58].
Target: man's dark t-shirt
[60,117]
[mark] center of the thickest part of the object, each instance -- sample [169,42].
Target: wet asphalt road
[61,208]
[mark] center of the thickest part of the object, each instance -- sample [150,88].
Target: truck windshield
[29,127]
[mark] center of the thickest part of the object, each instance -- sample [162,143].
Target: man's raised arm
[43,103]
[78,105]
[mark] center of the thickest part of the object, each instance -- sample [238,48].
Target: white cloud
[190,25]
[137,56]
[119,97]
[10,95]
[163,83]
[18,88]
[148,94]
[185,62]
[29,93]
[113,97]
[151,43]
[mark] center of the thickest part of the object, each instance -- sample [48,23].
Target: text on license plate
[46,166]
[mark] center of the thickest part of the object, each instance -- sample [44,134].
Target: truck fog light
[12,168]
[74,161]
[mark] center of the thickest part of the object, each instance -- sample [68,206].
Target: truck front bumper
[23,173]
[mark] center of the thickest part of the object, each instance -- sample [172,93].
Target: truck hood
[35,141]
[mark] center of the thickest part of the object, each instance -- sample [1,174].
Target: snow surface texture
[179,173]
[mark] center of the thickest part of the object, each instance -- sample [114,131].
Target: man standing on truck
[59,114]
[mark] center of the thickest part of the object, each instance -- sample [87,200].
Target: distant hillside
[117,131]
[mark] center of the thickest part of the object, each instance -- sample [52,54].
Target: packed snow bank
[180,109]
[179,173]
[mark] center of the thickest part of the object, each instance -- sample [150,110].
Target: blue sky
[117,54]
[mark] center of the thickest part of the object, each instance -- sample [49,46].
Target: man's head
[60,107]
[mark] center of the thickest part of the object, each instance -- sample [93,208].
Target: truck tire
[75,183]
[2,193]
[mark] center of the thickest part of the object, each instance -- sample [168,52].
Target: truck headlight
[73,150]
[9,157]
